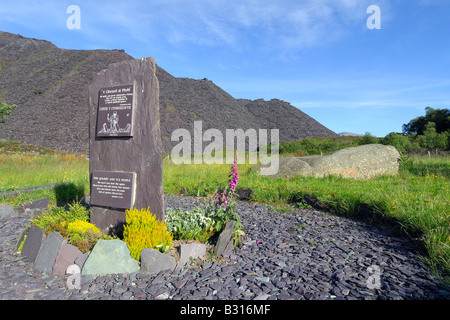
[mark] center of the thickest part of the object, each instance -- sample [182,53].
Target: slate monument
[125,152]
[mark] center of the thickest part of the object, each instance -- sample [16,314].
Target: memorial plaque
[140,153]
[113,189]
[115,112]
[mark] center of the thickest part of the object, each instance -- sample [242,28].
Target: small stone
[263,279]
[126,295]
[338,275]
[163,296]
[301,290]
[191,250]
[153,261]
[263,296]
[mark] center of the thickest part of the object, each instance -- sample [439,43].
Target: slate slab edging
[46,256]
[33,243]
[42,251]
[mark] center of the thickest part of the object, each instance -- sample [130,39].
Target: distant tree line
[426,133]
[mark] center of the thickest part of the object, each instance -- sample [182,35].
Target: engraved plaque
[115,112]
[113,189]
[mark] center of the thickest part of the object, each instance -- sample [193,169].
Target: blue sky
[319,55]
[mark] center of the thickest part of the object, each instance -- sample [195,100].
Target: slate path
[305,255]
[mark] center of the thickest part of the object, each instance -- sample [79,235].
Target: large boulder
[288,167]
[363,162]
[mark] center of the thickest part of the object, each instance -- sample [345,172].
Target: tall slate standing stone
[139,153]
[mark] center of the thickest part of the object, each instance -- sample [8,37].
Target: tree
[441,118]
[367,138]
[401,142]
[431,139]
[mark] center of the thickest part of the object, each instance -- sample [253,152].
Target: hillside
[50,87]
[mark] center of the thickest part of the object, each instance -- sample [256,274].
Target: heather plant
[142,230]
[79,226]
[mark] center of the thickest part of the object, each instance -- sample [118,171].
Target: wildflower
[233,178]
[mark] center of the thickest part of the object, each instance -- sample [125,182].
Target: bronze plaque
[113,189]
[115,112]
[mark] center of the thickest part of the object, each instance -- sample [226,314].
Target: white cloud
[282,25]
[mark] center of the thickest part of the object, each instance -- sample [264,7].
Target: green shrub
[401,142]
[52,219]
[198,224]
[143,230]
[368,138]
[72,224]
[5,110]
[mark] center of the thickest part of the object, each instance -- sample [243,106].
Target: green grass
[22,170]
[417,201]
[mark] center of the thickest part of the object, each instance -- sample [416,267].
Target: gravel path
[304,255]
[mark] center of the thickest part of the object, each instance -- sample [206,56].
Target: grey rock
[225,242]
[33,243]
[80,260]
[191,250]
[65,258]
[287,167]
[47,254]
[35,206]
[363,162]
[110,257]
[6,210]
[153,261]
[263,296]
